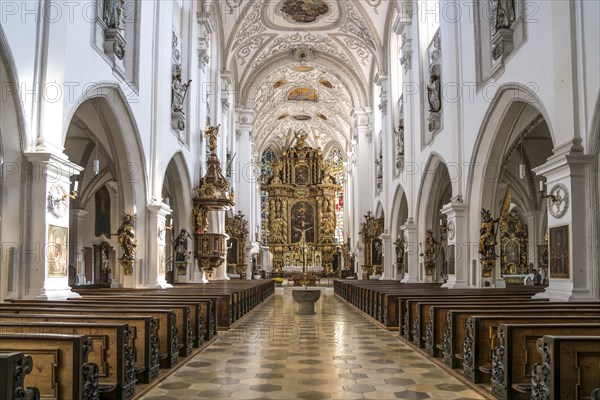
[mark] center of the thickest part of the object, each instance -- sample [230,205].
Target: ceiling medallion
[280,83]
[303,94]
[559,205]
[326,83]
[303,68]
[303,53]
[302,117]
[304,11]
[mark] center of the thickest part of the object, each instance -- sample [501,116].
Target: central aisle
[335,354]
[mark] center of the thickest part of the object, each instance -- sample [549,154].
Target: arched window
[336,160]
[268,156]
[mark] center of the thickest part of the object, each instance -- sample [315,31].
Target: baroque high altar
[302,206]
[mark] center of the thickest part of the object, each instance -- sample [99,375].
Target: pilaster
[411,241]
[569,267]
[46,254]
[458,245]
[157,252]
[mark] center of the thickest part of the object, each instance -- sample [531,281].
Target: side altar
[302,208]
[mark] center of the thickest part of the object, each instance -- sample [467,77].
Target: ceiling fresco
[304,64]
[304,10]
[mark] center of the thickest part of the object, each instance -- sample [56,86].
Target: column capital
[159,209]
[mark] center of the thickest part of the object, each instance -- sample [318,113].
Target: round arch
[177,186]
[492,140]
[514,113]
[399,211]
[123,141]
[14,141]
[435,170]
[594,222]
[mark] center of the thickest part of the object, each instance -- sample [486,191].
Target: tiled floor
[335,354]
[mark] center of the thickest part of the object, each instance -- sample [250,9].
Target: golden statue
[487,236]
[200,220]
[126,237]
[300,138]
[211,132]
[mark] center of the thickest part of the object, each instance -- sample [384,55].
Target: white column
[388,257]
[457,233]
[157,253]
[46,254]
[411,241]
[566,176]
[77,253]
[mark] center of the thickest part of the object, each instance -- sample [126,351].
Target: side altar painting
[56,251]
[559,252]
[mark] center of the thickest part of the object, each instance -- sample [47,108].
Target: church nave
[336,354]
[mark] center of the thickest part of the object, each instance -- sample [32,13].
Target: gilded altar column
[411,243]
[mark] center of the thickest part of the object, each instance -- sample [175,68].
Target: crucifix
[303,245]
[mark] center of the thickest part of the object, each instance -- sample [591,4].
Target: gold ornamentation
[212,132]
[127,242]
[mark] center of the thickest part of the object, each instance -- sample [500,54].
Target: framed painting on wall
[376,252]
[559,252]
[543,255]
[56,251]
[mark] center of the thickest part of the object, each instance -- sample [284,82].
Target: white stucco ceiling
[338,42]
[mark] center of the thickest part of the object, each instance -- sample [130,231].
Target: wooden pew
[14,367]
[143,341]
[166,331]
[466,295]
[516,353]
[438,318]
[482,337]
[182,320]
[419,312]
[570,367]
[456,325]
[60,367]
[110,351]
[202,310]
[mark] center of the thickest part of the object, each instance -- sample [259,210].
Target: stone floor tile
[336,354]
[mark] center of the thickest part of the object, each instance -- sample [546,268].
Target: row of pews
[508,345]
[108,341]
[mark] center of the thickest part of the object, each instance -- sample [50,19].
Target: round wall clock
[451,230]
[558,205]
[57,203]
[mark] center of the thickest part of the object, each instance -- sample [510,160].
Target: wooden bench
[456,325]
[166,330]
[516,353]
[420,312]
[143,338]
[110,351]
[202,310]
[183,328]
[14,367]
[60,367]
[570,367]
[482,338]
[438,319]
